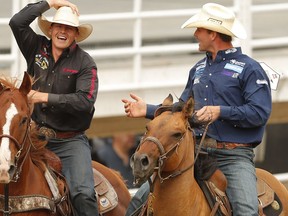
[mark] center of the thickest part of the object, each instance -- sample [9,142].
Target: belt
[49,133]
[212,143]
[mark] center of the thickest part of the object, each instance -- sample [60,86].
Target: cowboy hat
[66,16]
[217,18]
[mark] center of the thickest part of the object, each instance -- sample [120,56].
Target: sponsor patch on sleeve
[262,82]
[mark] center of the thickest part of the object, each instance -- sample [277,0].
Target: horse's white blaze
[5,153]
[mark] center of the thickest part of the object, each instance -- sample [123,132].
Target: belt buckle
[48,133]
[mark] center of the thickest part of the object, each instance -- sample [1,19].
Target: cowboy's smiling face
[63,35]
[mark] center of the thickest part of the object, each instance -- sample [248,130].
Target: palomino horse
[166,155]
[27,187]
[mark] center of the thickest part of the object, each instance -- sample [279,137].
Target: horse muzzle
[142,168]
[6,175]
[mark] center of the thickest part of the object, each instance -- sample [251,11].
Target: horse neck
[167,194]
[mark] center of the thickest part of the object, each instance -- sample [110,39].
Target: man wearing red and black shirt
[65,90]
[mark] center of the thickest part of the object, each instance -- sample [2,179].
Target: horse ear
[1,87]
[168,101]
[188,108]
[26,84]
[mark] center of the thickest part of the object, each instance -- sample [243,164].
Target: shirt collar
[224,54]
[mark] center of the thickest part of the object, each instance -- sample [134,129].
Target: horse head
[166,142]
[14,125]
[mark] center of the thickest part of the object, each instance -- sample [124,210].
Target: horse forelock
[9,82]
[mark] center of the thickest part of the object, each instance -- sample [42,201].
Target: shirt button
[210,74]
[68,77]
[49,84]
[235,125]
[53,71]
[205,99]
[206,86]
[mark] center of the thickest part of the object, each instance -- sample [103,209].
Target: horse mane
[38,150]
[9,82]
[13,82]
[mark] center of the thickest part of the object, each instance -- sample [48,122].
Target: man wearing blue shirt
[232,91]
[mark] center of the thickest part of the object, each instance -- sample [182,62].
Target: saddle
[269,203]
[106,195]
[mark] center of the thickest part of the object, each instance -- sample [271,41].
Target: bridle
[17,173]
[20,146]
[164,155]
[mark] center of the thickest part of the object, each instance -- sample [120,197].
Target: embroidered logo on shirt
[232,50]
[68,70]
[262,82]
[41,61]
[198,73]
[235,62]
[231,74]
[233,67]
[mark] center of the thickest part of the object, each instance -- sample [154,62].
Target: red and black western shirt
[72,82]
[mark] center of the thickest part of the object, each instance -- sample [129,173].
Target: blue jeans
[239,169]
[138,199]
[75,155]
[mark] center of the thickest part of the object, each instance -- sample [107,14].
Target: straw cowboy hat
[217,18]
[66,16]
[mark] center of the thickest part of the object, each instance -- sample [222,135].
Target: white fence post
[244,14]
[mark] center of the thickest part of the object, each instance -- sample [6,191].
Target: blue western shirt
[241,88]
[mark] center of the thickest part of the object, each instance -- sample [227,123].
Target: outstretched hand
[136,108]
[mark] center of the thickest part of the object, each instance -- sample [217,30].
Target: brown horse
[25,188]
[166,154]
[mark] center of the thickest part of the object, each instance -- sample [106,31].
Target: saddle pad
[106,195]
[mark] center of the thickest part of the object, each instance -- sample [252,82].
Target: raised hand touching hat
[60,3]
[65,15]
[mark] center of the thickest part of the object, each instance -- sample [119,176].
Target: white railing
[244,9]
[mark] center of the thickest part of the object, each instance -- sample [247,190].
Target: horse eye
[177,135]
[24,120]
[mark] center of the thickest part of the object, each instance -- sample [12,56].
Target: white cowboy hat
[217,18]
[66,16]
